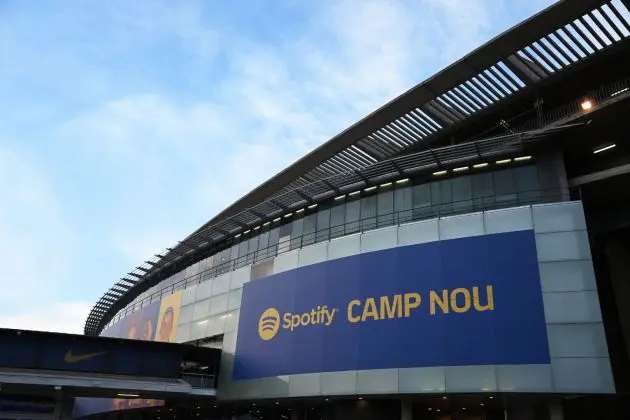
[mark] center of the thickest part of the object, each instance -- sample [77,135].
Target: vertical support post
[406,410]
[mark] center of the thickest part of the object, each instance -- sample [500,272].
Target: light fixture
[266,223]
[430,409]
[387,184]
[257,227]
[491,397]
[438,410]
[360,398]
[299,211]
[461,169]
[340,197]
[353,193]
[438,173]
[482,404]
[522,158]
[603,149]
[403,181]
[444,397]
[246,232]
[368,189]
[122,394]
[503,161]
[288,215]
[277,402]
[619,92]
[480,165]
[277,219]
[237,236]
[312,206]
[586,105]
[464,408]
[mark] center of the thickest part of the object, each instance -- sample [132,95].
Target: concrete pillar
[406,410]
[552,176]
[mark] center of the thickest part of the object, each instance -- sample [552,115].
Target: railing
[474,204]
[200,380]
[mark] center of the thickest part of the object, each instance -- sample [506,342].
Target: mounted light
[257,227]
[128,395]
[403,181]
[522,158]
[299,211]
[503,161]
[387,184]
[353,193]
[277,219]
[312,206]
[480,165]
[461,169]
[619,92]
[288,215]
[237,236]
[440,173]
[368,189]
[266,223]
[246,232]
[340,197]
[586,105]
[603,149]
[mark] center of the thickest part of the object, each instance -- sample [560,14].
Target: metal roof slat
[567,36]
[430,109]
[363,143]
[422,119]
[561,50]
[548,55]
[603,30]
[364,153]
[379,144]
[502,93]
[386,142]
[357,156]
[505,80]
[479,79]
[480,93]
[465,91]
[455,94]
[592,32]
[611,23]
[518,65]
[406,123]
[509,75]
[452,104]
[536,64]
[409,135]
[397,139]
[448,109]
[347,163]
[584,40]
[414,121]
[619,16]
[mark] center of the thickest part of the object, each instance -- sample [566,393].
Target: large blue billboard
[459,302]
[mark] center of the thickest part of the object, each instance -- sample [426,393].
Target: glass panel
[462,194]
[297,230]
[252,247]
[242,254]
[504,186]
[402,204]
[337,219]
[274,235]
[441,197]
[385,208]
[323,225]
[527,185]
[310,223]
[368,212]
[285,238]
[353,209]
[263,246]
[483,192]
[422,205]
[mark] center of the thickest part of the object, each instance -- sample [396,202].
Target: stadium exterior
[462,252]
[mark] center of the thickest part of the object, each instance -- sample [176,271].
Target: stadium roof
[400,138]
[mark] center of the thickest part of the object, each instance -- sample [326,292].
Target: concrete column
[406,410]
[552,176]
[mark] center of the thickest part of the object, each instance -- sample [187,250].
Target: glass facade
[387,205]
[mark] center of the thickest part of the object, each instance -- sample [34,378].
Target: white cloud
[65,317]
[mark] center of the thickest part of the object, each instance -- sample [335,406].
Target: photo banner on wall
[168,318]
[459,302]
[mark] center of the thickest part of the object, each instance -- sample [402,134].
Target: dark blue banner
[460,302]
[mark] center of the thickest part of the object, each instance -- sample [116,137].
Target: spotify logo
[269,324]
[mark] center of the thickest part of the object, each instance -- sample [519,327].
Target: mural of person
[168,318]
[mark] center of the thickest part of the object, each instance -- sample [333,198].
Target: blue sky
[124,125]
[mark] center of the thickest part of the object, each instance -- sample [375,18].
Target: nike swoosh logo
[72,358]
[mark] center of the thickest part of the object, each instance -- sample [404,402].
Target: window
[402,205]
[323,224]
[441,197]
[462,194]
[353,213]
[368,212]
[385,208]
[504,186]
[482,191]
[310,224]
[297,230]
[337,219]
[263,246]
[422,205]
[527,184]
